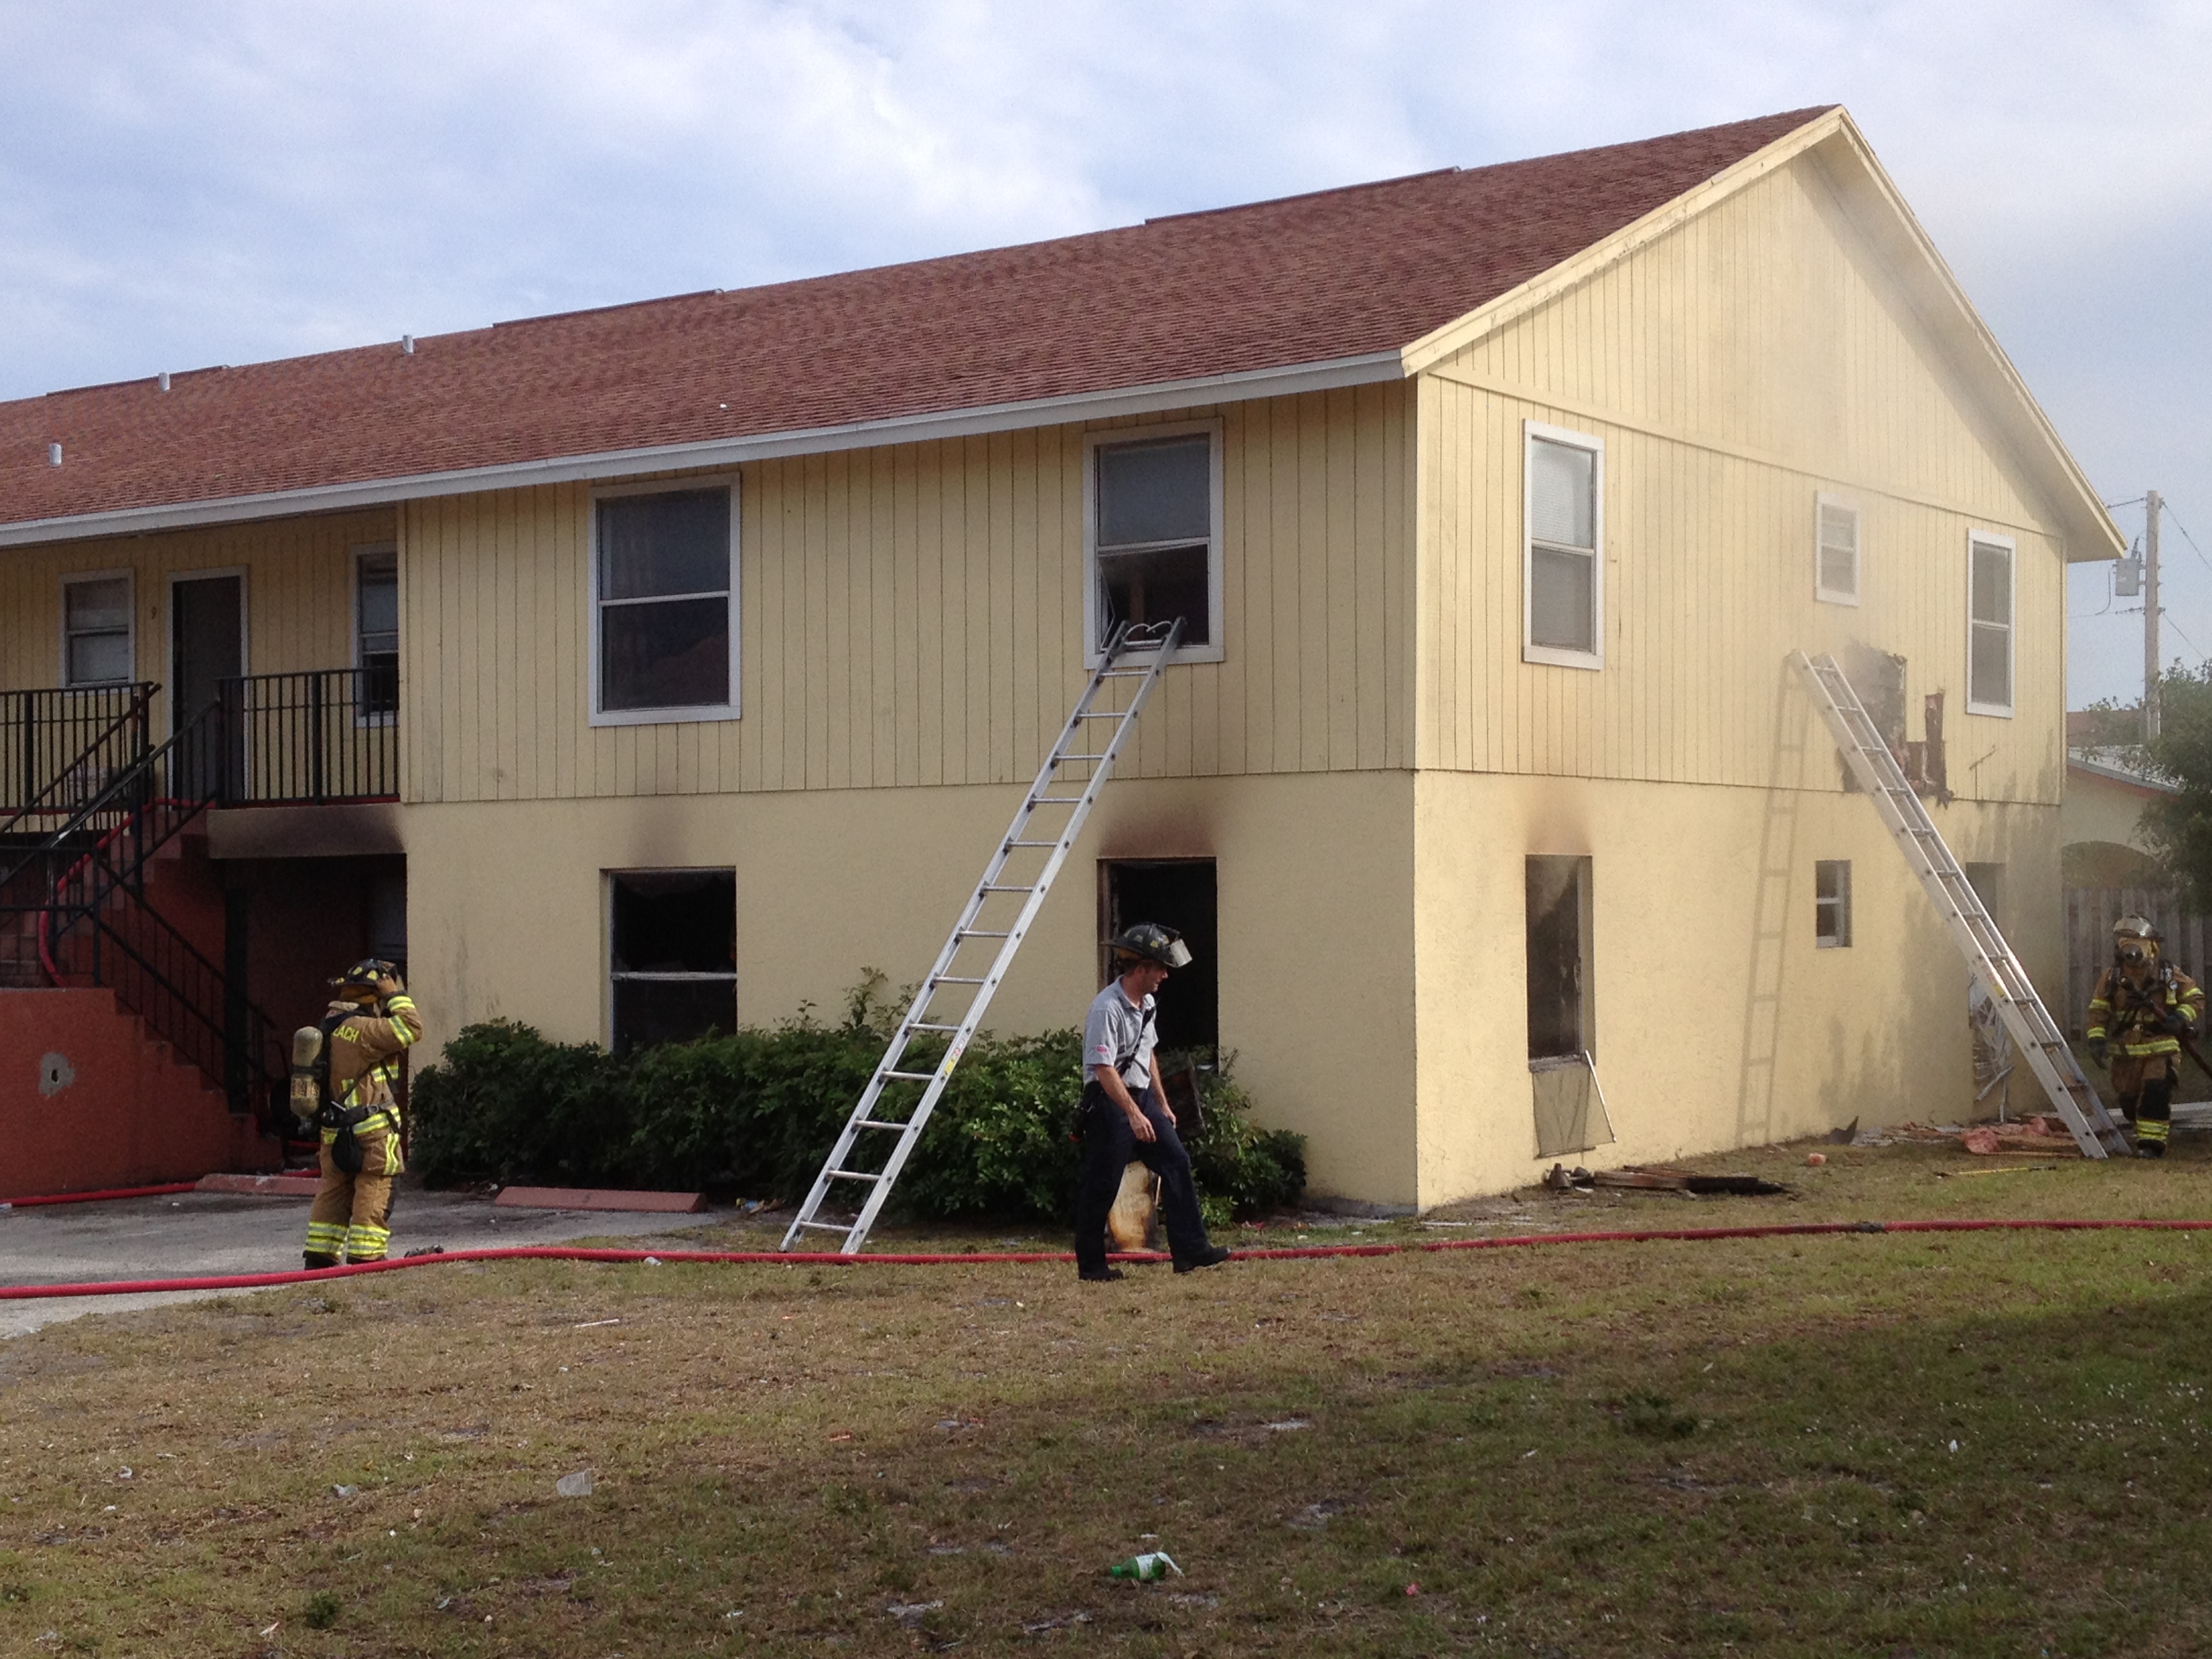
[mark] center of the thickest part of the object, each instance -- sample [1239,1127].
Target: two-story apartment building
[672,664]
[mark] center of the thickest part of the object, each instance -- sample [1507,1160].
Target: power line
[2132,501]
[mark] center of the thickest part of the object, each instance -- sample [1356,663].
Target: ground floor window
[1831,904]
[672,955]
[1177,893]
[1559,941]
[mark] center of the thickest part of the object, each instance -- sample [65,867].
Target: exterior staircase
[77,859]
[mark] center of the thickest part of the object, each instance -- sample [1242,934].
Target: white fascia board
[611,464]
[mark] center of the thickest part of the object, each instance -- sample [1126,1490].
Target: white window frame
[1991,539]
[607,879]
[699,712]
[1216,648]
[1823,503]
[1531,432]
[70,579]
[361,555]
[1840,940]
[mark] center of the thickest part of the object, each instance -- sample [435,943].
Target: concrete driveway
[194,1234]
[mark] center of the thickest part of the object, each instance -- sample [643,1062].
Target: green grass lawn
[1879,1444]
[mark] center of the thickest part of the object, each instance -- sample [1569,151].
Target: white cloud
[239,178]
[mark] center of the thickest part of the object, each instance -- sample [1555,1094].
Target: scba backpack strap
[335,1114]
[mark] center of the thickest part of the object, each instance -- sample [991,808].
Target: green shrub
[755,1113]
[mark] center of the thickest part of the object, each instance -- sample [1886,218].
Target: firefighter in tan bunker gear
[2143,1005]
[371,1023]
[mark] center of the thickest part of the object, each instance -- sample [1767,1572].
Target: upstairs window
[1989,627]
[1836,577]
[1563,566]
[97,647]
[1156,535]
[664,635]
[376,631]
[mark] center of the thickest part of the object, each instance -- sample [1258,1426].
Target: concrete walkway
[193,1235]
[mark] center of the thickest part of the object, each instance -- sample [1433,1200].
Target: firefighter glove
[2098,1048]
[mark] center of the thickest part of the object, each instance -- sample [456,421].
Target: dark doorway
[207,646]
[1176,893]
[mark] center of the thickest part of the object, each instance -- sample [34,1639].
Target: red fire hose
[776,1258]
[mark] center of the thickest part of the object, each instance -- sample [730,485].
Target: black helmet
[1153,943]
[363,975]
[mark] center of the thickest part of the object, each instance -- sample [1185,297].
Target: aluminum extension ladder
[2034,1034]
[880,1110]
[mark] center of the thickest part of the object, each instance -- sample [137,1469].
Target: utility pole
[2151,506]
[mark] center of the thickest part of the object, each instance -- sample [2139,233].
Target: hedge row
[752,1115]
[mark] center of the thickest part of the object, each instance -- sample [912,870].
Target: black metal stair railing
[61,745]
[75,905]
[329,735]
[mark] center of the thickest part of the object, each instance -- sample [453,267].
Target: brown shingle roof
[1308,279]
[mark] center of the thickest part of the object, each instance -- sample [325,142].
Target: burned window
[1154,545]
[673,942]
[663,584]
[1831,904]
[1558,938]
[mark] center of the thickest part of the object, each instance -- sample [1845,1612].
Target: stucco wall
[506,920]
[1718,1023]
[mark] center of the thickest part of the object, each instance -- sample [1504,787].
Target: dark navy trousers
[1109,1144]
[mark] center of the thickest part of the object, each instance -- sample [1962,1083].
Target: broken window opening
[1558,947]
[673,948]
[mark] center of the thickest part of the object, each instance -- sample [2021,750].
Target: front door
[207,646]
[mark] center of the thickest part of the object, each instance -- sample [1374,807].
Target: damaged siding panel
[912,616]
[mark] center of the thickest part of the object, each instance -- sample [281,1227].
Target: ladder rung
[1064,759]
[829,1226]
[850,1175]
[955,979]
[871,1123]
[981,932]
[1032,843]
[1006,887]
[1100,714]
[927,1025]
[911,1076]
[1055,800]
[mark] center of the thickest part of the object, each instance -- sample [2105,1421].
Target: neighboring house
[712,641]
[2100,824]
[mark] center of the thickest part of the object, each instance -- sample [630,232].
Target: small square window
[664,583]
[1831,904]
[672,937]
[1154,542]
[1563,572]
[96,637]
[1988,641]
[1836,578]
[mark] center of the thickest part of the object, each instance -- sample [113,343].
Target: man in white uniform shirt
[1125,1113]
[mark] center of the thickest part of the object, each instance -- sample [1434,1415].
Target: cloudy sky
[239,180]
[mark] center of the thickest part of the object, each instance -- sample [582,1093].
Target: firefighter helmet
[360,981]
[1149,942]
[2135,938]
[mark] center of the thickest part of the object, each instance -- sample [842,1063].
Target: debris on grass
[1144,1568]
[345,1491]
[578,1485]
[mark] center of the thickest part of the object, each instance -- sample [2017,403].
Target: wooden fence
[2090,913]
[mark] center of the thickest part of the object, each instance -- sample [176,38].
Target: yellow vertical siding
[299,592]
[1757,356]
[913,615]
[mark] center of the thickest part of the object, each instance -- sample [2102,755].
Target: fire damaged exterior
[726,630]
